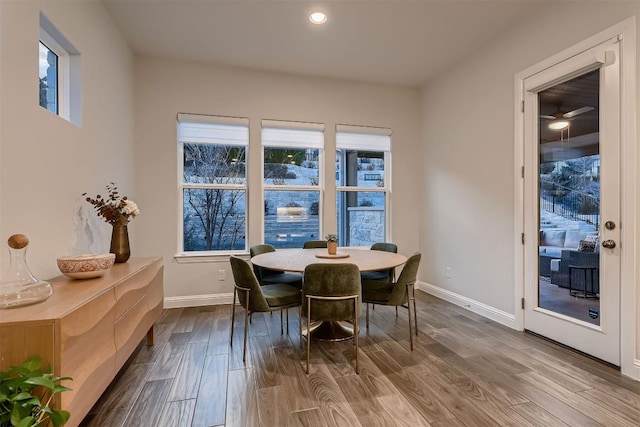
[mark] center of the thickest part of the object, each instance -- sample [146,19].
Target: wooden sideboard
[87,329]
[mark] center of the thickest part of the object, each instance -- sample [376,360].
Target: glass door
[572,203]
[569,198]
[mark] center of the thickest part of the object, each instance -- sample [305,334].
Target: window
[362,182]
[48,74]
[213,183]
[59,73]
[292,173]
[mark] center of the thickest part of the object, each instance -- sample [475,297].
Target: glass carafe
[18,286]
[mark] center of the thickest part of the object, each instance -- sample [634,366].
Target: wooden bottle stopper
[18,241]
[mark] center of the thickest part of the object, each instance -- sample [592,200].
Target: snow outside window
[362,184]
[292,173]
[213,183]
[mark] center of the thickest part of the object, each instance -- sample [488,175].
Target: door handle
[609,244]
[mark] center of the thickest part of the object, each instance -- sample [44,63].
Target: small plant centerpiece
[117,211]
[332,243]
[26,393]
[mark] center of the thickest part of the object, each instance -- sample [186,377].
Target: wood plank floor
[465,370]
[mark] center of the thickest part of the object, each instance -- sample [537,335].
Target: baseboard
[197,300]
[634,372]
[504,318]
[487,311]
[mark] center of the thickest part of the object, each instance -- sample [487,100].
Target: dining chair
[396,293]
[267,276]
[259,299]
[331,292]
[314,244]
[387,274]
[371,278]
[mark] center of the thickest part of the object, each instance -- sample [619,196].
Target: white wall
[165,87]
[468,138]
[46,163]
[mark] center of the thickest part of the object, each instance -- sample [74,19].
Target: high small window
[58,73]
[292,176]
[48,74]
[213,183]
[363,156]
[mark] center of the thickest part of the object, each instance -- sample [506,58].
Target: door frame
[629,237]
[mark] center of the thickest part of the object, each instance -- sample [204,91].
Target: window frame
[241,122]
[287,143]
[69,87]
[62,73]
[382,143]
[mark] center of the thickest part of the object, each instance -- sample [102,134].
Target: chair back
[407,276]
[331,280]
[314,244]
[244,278]
[384,246]
[260,272]
[387,247]
[260,249]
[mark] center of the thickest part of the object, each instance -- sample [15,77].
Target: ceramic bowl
[86,266]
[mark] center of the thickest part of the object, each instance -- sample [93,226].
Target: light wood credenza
[87,329]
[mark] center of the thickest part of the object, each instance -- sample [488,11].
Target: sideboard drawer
[87,352]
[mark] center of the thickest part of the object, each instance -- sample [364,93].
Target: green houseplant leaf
[43,381]
[26,391]
[27,422]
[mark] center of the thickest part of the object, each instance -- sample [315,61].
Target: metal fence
[569,203]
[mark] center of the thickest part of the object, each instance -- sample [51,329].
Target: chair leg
[415,312]
[300,323]
[246,329]
[287,312]
[281,328]
[409,312]
[308,331]
[396,311]
[367,317]
[233,316]
[356,332]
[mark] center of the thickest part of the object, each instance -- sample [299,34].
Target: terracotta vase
[120,243]
[332,247]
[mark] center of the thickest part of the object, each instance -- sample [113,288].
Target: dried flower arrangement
[114,209]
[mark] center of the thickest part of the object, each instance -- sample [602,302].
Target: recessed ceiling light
[318,18]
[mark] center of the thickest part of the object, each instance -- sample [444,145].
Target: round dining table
[296,260]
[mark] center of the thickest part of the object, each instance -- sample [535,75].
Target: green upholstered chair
[267,276]
[396,293]
[331,292]
[255,298]
[314,244]
[386,275]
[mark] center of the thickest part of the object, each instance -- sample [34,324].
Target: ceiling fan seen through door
[561,120]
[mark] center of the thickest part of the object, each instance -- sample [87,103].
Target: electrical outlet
[222,275]
[448,272]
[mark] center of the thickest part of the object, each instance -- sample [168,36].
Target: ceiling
[570,96]
[579,96]
[400,42]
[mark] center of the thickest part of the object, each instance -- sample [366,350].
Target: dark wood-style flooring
[465,371]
